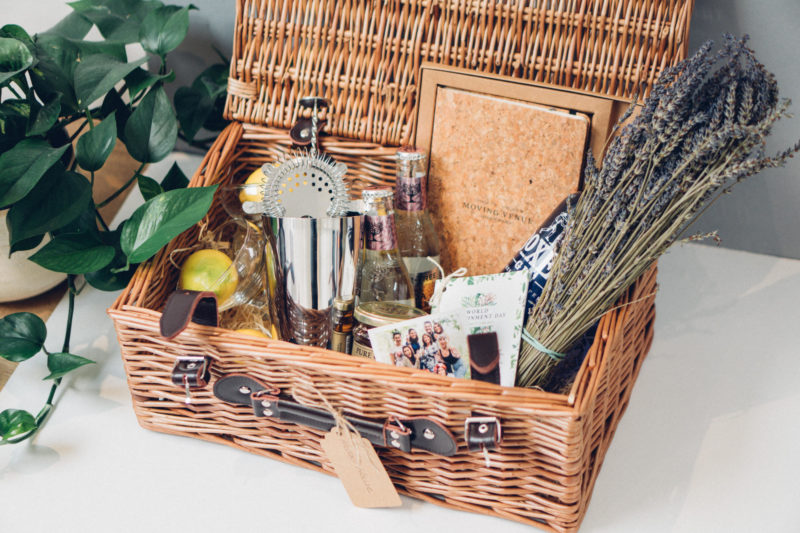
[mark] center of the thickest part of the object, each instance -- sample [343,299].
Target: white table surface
[708,444]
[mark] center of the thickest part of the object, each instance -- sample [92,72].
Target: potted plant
[66,101]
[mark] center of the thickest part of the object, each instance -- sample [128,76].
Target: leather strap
[482,432]
[405,435]
[484,357]
[238,389]
[188,306]
[492,376]
[301,131]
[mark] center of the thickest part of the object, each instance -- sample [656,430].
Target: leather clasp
[187,306]
[397,435]
[307,129]
[239,388]
[191,372]
[302,134]
[482,433]
[266,403]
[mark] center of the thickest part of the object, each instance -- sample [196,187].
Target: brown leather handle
[405,435]
[188,306]
[480,432]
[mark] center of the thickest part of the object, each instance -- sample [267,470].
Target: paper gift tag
[360,470]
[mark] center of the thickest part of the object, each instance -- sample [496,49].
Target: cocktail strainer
[303,184]
[306,183]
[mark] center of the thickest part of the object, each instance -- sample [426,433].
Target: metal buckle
[191,372]
[482,426]
[396,435]
[484,422]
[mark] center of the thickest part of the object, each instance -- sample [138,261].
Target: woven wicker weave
[365,61]
[364,56]
[553,444]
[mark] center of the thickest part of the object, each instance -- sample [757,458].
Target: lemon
[252,190]
[252,332]
[209,270]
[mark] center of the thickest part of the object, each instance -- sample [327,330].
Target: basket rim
[342,365]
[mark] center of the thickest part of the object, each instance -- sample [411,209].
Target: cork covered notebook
[498,167]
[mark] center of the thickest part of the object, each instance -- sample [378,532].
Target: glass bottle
[382,274]
[416,236]
[342,325]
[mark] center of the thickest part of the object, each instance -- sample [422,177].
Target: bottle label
[341,342]
[380,233]
[361,350]
[410,193]
[423,274]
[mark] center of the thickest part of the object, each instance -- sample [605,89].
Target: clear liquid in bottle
[382,274]
[417,238]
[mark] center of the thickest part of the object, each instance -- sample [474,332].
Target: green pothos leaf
[63,363]
[15,423]
[22,335]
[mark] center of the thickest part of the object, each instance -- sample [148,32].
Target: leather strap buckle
[266,403]
[404,435]
[191,372]
[482,433]
[397,435]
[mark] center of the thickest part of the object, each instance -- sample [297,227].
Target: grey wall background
[761,215]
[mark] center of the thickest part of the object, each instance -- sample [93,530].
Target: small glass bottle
[416,235]
[342,326]
[382,276]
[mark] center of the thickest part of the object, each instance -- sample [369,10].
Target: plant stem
[70,310]
[123,188]
[100,219]
[78,131]
[48,405]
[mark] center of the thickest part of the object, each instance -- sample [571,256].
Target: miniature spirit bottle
[342,326]
[382,274]
[415,233]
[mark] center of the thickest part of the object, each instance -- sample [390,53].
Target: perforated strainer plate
[303,185]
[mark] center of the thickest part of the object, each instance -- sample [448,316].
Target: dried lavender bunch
[701,130]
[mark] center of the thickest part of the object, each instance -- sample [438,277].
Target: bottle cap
[383,313]
[342,305]
[374,193]
[410,153]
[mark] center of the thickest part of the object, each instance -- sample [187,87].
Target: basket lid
[364,56]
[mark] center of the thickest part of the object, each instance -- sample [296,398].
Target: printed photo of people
[436,343]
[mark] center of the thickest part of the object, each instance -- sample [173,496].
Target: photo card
[436,343]
[490,303]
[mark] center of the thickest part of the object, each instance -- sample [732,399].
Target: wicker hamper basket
[364,57]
